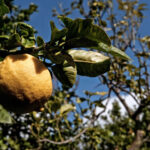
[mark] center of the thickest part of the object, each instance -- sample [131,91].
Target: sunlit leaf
[90,63]
[27,43]
[119,53]
[5,116]
[142,6]
[95,93]
[80,100]
[66,108]
[4,37]
[86,43]
[112,50]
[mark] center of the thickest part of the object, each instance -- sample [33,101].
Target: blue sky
[40,21]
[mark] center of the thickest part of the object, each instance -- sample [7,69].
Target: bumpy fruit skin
[25,83]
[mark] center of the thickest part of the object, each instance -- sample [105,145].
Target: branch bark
[138,141]
[116,91]
[66,141]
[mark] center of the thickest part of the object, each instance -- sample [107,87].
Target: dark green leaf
[83,33]
[3,41]
[57,34]
[90,63]
[5,116]
[14,41]
[57,58]
[40,41]
[65,73]
[25,29]
[10,42]
[79,43]
[3,8]
[80,28]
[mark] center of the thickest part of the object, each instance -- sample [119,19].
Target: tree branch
[116,91]
[137,143]
[66,141]
[143,104]
[129,93]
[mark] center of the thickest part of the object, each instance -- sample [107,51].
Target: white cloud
[129,100]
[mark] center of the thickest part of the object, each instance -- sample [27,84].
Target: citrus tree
[81,47]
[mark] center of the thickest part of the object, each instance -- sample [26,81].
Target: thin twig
[122,100]
[66,141]
[128,92]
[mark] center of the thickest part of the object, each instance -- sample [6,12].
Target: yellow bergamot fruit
[25,83]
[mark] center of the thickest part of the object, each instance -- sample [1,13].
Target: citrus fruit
[25,83]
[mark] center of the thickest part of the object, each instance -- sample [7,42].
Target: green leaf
[112,50]
[80,100]
[3,8]
[66,108]
[90,63]
[84,28]
[65,73]
[95,93]
[27,43]
[3,41]
[119,53]
[40,41]
[86,43]
[83,33]
[10,42]
[26,33]
[57,58]
[25,29]
[4,37]
[14,41]
[57,34]
[5,116]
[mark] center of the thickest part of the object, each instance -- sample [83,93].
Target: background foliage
[72,122]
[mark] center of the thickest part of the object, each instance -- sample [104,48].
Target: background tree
[60,125]
[131,130]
